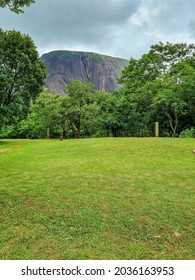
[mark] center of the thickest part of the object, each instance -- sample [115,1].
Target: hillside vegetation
[67,54]
[124,198]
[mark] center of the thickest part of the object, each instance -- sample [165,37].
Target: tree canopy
[16,5]
[79,95]
[45,118]
[160,60]
[22,74]
[158,87]
[161,84]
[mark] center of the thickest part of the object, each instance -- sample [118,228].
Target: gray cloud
[122,28]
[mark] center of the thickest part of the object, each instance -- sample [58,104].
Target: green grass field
[112,198]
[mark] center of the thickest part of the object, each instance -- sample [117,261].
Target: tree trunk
[77,135]
[141,132]
[48,133]
[78,132]
[173,124]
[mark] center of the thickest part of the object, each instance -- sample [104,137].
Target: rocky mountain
[65,66]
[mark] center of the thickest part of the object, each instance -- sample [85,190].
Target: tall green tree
[16,5]
[89,124]
[45,117]
[22,74]
[168,99]
[185,73]
[159,60]
[110,117]
[78,96]
[160,85]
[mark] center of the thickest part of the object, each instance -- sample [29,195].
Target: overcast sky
[122,28]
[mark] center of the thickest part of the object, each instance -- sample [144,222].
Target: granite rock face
[65,66]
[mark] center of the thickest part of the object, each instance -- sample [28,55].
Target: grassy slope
[97,199]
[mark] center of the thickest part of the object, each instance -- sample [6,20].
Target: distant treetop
[16,5]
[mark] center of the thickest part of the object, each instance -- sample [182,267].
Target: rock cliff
[65,66]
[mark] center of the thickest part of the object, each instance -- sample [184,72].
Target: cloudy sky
[122,28]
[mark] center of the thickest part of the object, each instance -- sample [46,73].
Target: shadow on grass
[3,142]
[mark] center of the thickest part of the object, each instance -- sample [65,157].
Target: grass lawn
[112,198]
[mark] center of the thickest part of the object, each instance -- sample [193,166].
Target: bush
[7,131]
[188,133]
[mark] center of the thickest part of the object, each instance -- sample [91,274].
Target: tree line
[158,87]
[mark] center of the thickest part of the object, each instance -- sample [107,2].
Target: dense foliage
[158,87]
[162,86]
[22,75]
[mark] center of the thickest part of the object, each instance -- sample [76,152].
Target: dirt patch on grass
[5,151]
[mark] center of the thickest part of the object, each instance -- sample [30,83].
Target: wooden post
[156,129]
